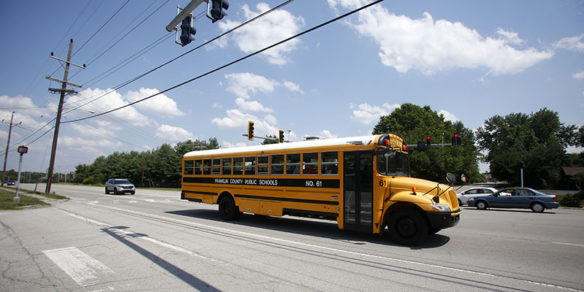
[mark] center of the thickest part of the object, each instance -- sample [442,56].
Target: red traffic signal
[428,140]
[456,140]
[22,149]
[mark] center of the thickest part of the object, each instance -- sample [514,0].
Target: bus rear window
[189,167]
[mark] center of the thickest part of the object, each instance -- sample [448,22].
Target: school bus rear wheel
[227,208]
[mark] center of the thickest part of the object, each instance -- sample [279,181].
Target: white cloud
[234,119]
[92,132]
[571,43]
[271,119]
[367,114]
[252,106]
[246,84]
[161,104]
[227,144]
[175,134]
[237,119]
[293,87]
[509,37]
[448,116]
[430,45]
[26,112]
[269,29]
[578,76]
[326,134]
[87,145]
[107,102]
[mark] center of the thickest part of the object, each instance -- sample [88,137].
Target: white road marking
[335,250]
[82,268]
[570,244]
[147,238]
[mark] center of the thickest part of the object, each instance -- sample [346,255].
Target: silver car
[119,186]
[473,193]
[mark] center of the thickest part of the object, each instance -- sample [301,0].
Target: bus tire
[408,227]
[227,208]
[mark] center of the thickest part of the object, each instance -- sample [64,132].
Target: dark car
[119,186]
[516,198]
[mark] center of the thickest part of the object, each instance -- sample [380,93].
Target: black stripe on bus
[288,200]
[200,193]
[273,182]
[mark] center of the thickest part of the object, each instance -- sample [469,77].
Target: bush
[574,200]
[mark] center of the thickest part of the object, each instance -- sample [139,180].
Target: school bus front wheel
[408,227]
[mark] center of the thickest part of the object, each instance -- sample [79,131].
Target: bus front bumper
[443,220]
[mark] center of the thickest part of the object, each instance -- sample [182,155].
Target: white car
[119,186]
[473,193]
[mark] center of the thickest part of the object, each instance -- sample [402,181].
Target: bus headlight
[441,207]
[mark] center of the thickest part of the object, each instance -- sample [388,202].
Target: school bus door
[358,190]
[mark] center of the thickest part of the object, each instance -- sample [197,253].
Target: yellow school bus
[363,183]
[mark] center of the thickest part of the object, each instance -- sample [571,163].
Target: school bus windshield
[393,163]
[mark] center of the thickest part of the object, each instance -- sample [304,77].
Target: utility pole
[63,91]
[7,148]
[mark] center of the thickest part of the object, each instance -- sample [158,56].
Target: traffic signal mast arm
[214,12]
[456,141]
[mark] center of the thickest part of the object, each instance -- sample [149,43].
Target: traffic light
[22,149]
[456,140]
[280,136]
[187,31]
[428,141]
[217,7]
[250,130]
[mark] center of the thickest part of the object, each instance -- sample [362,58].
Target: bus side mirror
[450,178]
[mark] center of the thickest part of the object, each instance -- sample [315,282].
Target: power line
[102,26]
[125,35]
[182,55]
[128,60]
[230,63]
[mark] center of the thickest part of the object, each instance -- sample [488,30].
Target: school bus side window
[226,166]
[277,164]
[292,163]
[329,163]
[250,165]
[238,166]
[198,167]
[216,166]
[263,165]
[207,166]
[189,167]
[310,163]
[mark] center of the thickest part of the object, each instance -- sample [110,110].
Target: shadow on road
[308,226]
[178,272]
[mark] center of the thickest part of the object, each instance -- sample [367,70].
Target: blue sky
[469,60]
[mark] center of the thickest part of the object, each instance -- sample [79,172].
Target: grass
[7,201]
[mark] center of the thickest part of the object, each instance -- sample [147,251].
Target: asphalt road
[155,241]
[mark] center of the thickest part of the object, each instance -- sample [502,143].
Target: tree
[536,142]
[273,140]
[160,167]
[414,123]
